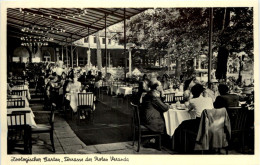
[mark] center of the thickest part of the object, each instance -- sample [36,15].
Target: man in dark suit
[225,99]
[152,108]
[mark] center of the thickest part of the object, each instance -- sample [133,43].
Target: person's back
[201,103]
[225,99]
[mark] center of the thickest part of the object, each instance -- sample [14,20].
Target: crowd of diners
[55,81]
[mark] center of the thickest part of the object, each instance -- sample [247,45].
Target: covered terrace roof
[63,25]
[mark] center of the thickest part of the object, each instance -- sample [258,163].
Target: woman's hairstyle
[196,90]
[223,89]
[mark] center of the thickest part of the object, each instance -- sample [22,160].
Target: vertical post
[125,43]
[106,42]
[71,52]
[67,55]
[77,57]
[199,63]
[194,62]
[109,59]
[89,52]
[210,43]
[62,53]
[130,62]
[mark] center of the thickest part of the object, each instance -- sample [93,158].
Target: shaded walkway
[109,126]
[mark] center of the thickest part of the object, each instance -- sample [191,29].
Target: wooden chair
[19,103]
[48,127]
[178,98]
[169,98]
[19,133]
[19,92]
[140,130]
[103,89]
[20,87]
[238,119]
[85,104]
[13,99]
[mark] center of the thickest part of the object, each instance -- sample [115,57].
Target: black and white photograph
[120,81]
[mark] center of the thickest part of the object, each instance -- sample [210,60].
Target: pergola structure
[63,26]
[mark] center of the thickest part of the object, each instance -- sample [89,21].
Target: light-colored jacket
[214,130]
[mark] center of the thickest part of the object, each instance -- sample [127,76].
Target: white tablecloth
[177,93]
[29,116]
[23,98]
[115,89]
[23,87]
[73,98]
[125,90]
[173,118]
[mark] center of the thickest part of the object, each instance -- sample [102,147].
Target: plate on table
[181,108]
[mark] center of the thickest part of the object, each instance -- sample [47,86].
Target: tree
[182,33]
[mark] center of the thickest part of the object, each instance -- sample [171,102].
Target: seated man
[225,99]
[152,108]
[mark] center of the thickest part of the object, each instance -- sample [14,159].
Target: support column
[106,42]
[195,62]
[77,57]
[210,43]
[62,53]
[89,52]
[109,60]
[199,63]
[71,53]
[125,43]
[130,62]
[67,56]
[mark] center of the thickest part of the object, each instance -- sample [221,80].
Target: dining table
[125,90]
[174,117]
[21,87]
[115,88]
[20,97]
[29,116]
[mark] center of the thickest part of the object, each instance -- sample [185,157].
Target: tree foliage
[184,31]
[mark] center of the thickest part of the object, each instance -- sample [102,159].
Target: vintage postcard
[129,82]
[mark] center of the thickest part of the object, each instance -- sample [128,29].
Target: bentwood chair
[19,133]
[85,104]
[140,130]
[47,127]
[238,119]
[19,103]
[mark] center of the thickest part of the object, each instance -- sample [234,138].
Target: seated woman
[74,85]
[225,99]
[165,82]
[152,109]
